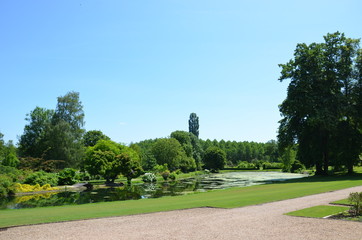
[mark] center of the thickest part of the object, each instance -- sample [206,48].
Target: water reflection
[146,190]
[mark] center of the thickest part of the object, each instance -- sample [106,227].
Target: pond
[200,183]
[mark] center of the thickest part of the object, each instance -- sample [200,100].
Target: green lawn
[342,202]
[318,211]
[229,198]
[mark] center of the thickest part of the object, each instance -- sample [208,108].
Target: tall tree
[64,135]
[194,124]
[70,110]
[318,97]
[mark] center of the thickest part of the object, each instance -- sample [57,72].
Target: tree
[214,158]
[70,110]
[10,159]
[2,148]
[31,143]
[168,151]
[91,138]
[64,135]
[109,159]
[194,124]
[319,98]
[130,167]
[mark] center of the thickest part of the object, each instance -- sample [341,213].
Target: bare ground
[264,222]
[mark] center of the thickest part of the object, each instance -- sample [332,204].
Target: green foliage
[109,159]
[6,185]
[187,164]
[84,176]
[42,178]
[173,176]
[130,165]
[355,199]
[149,178]
[237,152]
[8,155]
[169,151]
[31,143]
[191,146]
[68,176]
[244,165]
[160,168]
[322,103]
[268,165]
[194,124]
[288,157]
[55,135]
[214,158]
[165,175]
[14,173]
[38,164]
[297,167]
[91,138]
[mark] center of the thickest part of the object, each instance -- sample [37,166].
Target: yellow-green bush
[33,188]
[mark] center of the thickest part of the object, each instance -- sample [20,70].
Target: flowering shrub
[149,177]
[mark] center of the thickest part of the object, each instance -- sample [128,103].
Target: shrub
[42,178]
[356,200]
[68,176]
[33,188]
[269,165]
[297,166]
[165,174]
[6,185]
[247,166]
[149,177]
[160,168]
[84,176]
[173,176]
[12,172]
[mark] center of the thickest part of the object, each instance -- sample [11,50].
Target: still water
[200,183]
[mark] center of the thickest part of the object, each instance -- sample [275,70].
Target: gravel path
[264,221]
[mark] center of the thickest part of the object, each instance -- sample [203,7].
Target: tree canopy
[109,159]
[214,158]
[323,98]
[194,124]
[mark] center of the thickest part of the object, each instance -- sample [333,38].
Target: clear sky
[141,66]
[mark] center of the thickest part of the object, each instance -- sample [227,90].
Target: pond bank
[258,222]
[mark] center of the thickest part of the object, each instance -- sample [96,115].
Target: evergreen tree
[194,124]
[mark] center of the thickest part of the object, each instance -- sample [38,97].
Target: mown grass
[228,198]
[342,202]
[318,211]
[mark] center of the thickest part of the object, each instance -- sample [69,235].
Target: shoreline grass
[227,198]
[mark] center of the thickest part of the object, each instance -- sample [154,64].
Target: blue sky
[141,67]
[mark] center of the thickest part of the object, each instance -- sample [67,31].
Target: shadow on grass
[328,178]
